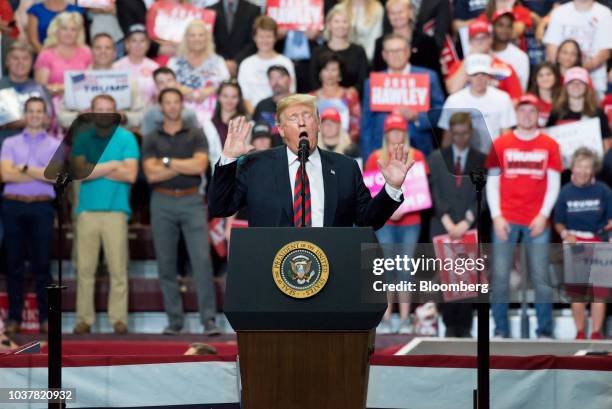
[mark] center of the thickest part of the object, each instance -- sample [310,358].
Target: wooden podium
[301,353]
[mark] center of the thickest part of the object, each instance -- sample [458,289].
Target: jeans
[28,228]
[404,236]
[171,216]
[537,262]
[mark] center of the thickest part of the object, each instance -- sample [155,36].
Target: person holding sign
[521,200]
[104,54]
[454,200]
[396,52]
[401,228]
[577,101]
[584,213]
[28,210]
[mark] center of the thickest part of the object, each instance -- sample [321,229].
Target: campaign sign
[574,135]
[298,15]
[467,248]
[415,187]
[80,87]
[389,92]
[168,21]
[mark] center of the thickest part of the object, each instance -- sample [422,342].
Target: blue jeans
[404,236]
[537,262]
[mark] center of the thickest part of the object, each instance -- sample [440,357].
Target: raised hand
[238,133]
[396,168]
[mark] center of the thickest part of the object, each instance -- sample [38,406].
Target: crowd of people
[498,72]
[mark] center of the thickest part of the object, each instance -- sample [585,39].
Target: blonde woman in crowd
[366,22]
[199,70]
[63,50]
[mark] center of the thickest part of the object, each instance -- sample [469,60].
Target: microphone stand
[303,157]
[481,393]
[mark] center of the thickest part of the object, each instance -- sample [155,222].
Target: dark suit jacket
[447,197]
[229,44]
[260,181]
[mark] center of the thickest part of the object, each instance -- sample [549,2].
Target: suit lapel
[330,188]
[283,183]
[447,158]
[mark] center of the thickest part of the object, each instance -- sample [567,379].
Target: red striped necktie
[297,199]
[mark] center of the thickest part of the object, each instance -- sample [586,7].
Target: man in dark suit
[232,31]
[268,182]
[454,199]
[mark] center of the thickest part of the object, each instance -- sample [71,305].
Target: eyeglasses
[305,116]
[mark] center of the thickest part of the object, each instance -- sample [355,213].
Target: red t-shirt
[524,166]
[504,77]
[407,219]
[606,105]
[544,109]
[6,15]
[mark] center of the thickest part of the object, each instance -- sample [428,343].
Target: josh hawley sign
[389,92]
[82,86]
[299,15]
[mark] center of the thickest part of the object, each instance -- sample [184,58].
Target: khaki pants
[110,230]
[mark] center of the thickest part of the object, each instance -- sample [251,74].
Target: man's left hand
[396,168]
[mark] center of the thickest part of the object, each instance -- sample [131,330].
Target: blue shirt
[103,194]
[44,17]
[586,208]
[468,9]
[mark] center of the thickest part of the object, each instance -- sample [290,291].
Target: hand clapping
[238,133]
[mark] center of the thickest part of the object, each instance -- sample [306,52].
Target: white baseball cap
[478,63]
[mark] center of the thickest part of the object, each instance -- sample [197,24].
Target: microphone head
[303,143]
[303,149]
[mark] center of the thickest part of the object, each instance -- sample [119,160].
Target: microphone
[303,147]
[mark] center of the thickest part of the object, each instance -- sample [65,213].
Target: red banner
[298,15]
[389,92]
[216,236]
[465,248]
[168,21]
[29,315]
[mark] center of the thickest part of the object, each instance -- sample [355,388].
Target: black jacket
[227,44]
[260,181]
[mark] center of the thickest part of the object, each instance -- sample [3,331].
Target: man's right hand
[501,227]
[238,133]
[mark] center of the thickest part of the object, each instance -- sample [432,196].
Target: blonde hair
[384,151]
[586,153]
[343,143]
[296,99]
[210,46]
[370,10]
[333,12]
[61,20]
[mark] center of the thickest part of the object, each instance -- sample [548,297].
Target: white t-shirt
[519,60]
[592,29]
[141,73]
[253,76]
[490,113]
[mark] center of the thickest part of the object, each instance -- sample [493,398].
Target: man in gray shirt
[174,158]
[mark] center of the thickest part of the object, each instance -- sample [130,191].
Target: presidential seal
[300,269]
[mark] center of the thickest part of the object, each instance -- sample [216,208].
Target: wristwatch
[166,161]
[25,168]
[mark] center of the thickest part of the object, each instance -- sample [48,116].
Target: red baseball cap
[529,99]
[501,13]
[395,121]
[479,27]
[331,114]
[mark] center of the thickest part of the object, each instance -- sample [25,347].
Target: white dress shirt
[314,170]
